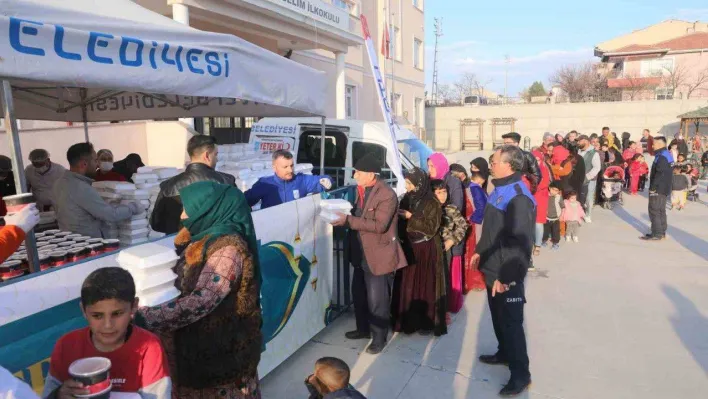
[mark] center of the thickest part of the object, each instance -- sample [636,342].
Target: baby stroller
[612,182]
[692,194]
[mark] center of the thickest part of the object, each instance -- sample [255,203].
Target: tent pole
[322,147]
[83,114]
[13,136]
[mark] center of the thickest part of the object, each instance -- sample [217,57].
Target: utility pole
[507,60]
[438,33]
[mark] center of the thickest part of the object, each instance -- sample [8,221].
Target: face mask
[106,166]
[43,169]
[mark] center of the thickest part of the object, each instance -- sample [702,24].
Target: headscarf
[422,192]
[215,210]
[441,165]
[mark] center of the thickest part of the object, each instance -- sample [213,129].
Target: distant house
[663,61]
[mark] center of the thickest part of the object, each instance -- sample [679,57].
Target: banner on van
[271,144]
[381,88]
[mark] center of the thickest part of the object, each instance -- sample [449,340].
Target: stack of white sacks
[151,267]
[143,192]
[331,209]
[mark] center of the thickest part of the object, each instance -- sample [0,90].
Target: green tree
[537,89]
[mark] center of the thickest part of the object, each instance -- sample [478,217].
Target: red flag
[386,42]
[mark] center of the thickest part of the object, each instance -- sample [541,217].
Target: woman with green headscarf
[211,332]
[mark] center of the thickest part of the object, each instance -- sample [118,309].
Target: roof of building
[650,35]
[699,113]
[691,41]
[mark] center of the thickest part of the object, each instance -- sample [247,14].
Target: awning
[121,61]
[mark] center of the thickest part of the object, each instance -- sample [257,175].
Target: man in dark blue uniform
[504,253]
[660,180]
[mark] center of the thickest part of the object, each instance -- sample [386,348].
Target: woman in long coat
[541,196]
[419,296]
[439,168]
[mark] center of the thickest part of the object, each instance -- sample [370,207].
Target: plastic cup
[94,374]
[16,203]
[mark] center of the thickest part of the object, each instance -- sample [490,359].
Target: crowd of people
[457,230]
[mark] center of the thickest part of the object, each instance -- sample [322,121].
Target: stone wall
[533,120]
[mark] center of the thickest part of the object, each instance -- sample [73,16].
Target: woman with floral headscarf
[419,295]
[212,331]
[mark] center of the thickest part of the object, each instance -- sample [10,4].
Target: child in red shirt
[637,169]
[138,362]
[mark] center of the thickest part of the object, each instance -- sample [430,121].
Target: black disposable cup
[111,245]
[11,269]
[94,374]
[15,203]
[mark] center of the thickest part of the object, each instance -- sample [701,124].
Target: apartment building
[662,62]
[325,35]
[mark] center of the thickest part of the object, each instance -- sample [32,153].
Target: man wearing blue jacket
[660,181]
[503,255]
[285,185]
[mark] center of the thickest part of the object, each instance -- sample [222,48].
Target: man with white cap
[41,175]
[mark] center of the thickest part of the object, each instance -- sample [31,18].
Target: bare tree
[479,87]
[579,81]
[636,85]
[466,84]
[675,76]
[696,81]
[446,94]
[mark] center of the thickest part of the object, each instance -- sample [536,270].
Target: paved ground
[609,317]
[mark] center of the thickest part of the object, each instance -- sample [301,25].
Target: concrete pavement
[609,317]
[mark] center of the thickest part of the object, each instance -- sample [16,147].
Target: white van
[346,141]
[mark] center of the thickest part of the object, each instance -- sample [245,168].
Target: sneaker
[555,247]
[545,244]
[587,219]
[575,239]
[567,238]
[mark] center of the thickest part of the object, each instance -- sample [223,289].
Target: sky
[537,35]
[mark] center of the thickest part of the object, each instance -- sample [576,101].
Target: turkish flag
[386,42]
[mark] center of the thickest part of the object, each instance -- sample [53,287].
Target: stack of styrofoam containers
[135,230]
[112,192]
[151,267]
[330,209]
[304,168]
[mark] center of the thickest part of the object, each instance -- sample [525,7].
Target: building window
[351,6]
[350,102]
[396,104]
[397,44]
[417,53]
[656,67]
[418,111]
[664,93]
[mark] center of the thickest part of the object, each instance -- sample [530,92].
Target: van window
[335,152]
[359,149]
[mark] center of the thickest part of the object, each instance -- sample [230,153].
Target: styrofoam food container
[336,205]
[159,297]
[147,256]
[148,281]
[329,217]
